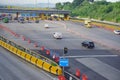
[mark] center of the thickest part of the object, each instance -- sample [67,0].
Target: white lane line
[90,56]
[101,68]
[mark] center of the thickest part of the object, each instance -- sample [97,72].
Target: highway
[104,37]
[14,68]
[106,43]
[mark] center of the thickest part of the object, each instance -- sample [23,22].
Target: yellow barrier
[53,70]
[59,71]
[39,63]
[28,57]
[8,46]
[46,66]
[56,70]
[14,50]
[23,55]
[33,60]
[11,48]
[5,45]
[19,52]
[0,42]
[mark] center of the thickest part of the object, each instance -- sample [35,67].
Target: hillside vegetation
[101,10]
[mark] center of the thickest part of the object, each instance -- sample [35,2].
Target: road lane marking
[101,68]
[90,56]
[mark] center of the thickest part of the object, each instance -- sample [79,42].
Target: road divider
[31,56]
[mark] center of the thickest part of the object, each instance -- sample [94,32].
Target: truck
[88,23]
[5,20]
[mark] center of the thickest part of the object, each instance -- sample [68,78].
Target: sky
[37,1]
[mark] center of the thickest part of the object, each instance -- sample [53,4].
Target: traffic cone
[77,73]
[29,41]
[35,45]
[48,52]
[57,59]
[23,38]
[61,77]
[42,48]
[84,77]
[17,35]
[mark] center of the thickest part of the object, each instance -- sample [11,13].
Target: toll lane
[96,34]
[44,37]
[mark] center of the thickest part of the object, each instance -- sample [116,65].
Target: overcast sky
[36,1]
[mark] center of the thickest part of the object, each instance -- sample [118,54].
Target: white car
[116,31]
[46,26]
[57,35]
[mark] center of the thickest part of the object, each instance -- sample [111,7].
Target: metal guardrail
[106,22]
[70,76]
[99,21]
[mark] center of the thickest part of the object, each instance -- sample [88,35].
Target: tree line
[99,9]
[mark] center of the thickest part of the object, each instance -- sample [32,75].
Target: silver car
[117,32]
[57,35]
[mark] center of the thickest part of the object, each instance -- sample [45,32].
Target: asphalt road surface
[14,68]
[96,68]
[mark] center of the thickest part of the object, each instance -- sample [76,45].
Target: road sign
[64,62]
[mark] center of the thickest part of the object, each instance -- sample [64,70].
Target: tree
[76,3]
[67,6]
[102,10]
[59,6]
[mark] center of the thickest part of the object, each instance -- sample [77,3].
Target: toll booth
[66,16]
[42,16]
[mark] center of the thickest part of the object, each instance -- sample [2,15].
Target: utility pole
[36,3]
[48,4]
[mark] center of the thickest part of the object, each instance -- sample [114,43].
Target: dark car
[21,19]
[88,44]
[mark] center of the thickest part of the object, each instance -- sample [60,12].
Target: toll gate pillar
[66,17]
[17,14]
[42,16]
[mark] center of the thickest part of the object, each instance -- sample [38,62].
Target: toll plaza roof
[6,10]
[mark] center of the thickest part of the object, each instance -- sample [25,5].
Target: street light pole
[36,3]
[48,4]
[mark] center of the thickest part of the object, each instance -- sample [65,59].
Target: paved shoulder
[101,68]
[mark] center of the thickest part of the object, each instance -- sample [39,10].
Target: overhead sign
[64,62]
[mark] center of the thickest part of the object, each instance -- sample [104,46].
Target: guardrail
[70,76]
[99,21]
[31,56]
[35,58]
[102,24]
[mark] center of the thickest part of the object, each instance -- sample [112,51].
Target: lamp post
[48,4]
[36,3]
